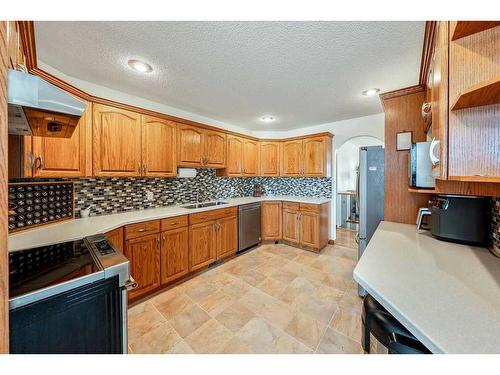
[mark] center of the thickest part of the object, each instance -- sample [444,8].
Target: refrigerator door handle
[356,238]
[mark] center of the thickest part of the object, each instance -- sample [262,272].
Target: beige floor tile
[236,269]
[173,305]
[211,337]
[305,258]
[236,346]
[189,320]
[158,340]
[252,277]
[235,316]
[283,275]
[347,323]
[182,347]
[321,310]
[335,342]
[200,290]
[236,287]
[142,319]
[340,282]
[216,302]
[306,329]
[272,287]
[351,302]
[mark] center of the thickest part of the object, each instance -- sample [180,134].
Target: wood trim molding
[4,261]
[427,50]
[27,34]
[401,92]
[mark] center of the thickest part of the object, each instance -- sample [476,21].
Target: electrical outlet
[150,196]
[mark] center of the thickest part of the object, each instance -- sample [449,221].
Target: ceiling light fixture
[267,119]
[140,66]
[371,92]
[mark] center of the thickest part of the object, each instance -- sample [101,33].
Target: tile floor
[346,237]
[274,299]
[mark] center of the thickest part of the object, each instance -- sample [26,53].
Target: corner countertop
[446,294]
[78,228]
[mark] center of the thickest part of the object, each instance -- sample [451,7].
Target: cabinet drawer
[174,222]
[202,217]
[290,206]
[142,229]
[309,207]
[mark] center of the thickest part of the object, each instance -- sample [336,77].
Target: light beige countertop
[78,228]
[446,294]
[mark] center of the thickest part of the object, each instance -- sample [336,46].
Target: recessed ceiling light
[371,92]
[140,66]
[267,119]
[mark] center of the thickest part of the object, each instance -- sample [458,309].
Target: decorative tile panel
[495,226]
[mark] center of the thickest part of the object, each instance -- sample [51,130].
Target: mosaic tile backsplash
[112,195]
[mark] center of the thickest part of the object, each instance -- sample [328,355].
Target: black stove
[41,267]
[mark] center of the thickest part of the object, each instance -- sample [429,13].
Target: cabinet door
[115,236]
[291,226]
[314,157]
[270,159]
[309,229]
[190,145]
[214,149]
[174,254]
[291,163]
[117,142]
[271,220]
[65,157]
[251,157]
[202,245]
[234,165]
[158,147]
[227,236]
[144,256]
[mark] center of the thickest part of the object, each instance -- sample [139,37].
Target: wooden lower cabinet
[271,218]
[174,254]
[202,245]
[144,256]
[227,236]
[309,229]
[115,236]
[291,226]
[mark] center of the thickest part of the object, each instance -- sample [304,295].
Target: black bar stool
[376,320]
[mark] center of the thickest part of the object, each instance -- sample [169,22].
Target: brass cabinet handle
[158,243]
[39,164]
[174,223]
[141,230]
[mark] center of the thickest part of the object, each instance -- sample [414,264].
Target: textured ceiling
[302,73]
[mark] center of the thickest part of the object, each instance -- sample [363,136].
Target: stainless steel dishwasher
[248,225]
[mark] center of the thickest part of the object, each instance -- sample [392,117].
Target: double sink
[202,205]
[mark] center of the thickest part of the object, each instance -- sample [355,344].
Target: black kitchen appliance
[462,219]
[69,298]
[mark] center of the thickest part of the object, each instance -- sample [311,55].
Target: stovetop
[41,267]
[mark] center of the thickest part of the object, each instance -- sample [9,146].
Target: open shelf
[466,28]
[484,93]
[422,191]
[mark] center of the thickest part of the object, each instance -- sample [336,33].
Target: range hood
[39,108]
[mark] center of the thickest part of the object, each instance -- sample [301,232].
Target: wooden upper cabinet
[198,147]
[251,157]
[214,149]
[270,156]
[174,254]
[190,145]
[144,256]
[65,157]
[271,217]
[117,142]
[158,147]
[317,157]
[234,163]
[291,165]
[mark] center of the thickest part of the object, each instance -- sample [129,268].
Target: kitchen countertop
[446,294]
[78,228]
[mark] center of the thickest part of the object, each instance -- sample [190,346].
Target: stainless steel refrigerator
[370,196]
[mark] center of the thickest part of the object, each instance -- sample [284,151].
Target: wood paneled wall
[402,113]
[4,265]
